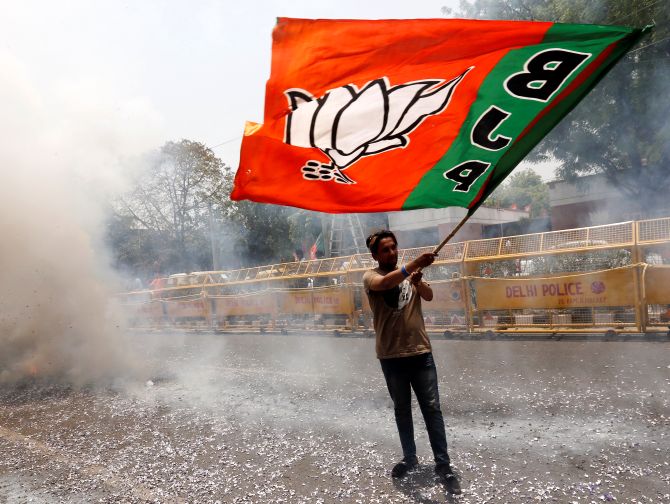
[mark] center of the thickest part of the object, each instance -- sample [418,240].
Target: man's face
[387,253]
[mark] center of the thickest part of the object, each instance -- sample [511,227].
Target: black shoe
[403,467]
[449,479]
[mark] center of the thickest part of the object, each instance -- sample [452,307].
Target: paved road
[269,418]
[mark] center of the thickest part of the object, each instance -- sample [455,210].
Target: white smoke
[61,153]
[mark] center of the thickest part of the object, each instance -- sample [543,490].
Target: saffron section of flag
[370,116]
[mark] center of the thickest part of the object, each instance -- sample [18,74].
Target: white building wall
[434,217]
[590,188]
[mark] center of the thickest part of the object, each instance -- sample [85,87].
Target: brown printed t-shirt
[400,330]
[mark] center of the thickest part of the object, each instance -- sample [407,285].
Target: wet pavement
[272,418]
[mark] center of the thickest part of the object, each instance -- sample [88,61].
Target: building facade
[429,226]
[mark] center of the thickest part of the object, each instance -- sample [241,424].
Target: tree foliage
[622,128]
[178,217]
[523,189]
[263,233]
[171,202]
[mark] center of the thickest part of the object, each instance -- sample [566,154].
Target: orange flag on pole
[369,116]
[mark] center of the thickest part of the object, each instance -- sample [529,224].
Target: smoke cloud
[60,155]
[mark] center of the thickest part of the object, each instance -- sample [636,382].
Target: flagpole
[455,230]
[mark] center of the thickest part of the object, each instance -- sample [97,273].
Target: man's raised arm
[395,277]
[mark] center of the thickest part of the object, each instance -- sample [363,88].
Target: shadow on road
[417,483]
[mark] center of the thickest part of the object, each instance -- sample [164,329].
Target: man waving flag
[371,116]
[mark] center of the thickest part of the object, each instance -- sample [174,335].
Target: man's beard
[389,266]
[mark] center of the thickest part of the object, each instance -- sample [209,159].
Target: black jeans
[419,373]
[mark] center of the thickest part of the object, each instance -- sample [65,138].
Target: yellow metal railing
[608,236]
[553,242]
[459,262]
[653,231]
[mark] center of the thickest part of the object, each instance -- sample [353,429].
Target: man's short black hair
[372,241]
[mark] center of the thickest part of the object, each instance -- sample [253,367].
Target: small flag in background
[370,116]
[314,249]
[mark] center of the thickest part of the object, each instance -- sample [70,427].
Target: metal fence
[603,278]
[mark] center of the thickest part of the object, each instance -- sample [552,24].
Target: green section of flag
[524,145]
[436,191]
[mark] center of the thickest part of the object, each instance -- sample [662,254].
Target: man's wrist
[404,271]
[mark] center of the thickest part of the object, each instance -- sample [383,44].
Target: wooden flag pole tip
[453,232]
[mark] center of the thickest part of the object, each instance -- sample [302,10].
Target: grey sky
[168,69]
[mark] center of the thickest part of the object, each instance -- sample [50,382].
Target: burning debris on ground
[264,418]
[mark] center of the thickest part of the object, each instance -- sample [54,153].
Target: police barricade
[334,300]
[141,310]
[656,295]
[188,310]
[316,307]
[151,312]
[448,308]
[296,302]
[601,299]
[551,281]
[250,309]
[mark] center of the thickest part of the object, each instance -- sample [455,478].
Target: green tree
[524,189]
[622,128]
[263,233]
[171,202]
[178,217]
[134,249]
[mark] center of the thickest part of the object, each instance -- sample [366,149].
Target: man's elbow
[386,284]
[379,286]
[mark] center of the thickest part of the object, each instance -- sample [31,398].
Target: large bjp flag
[369,116]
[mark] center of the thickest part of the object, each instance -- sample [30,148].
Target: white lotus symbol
[347,124]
